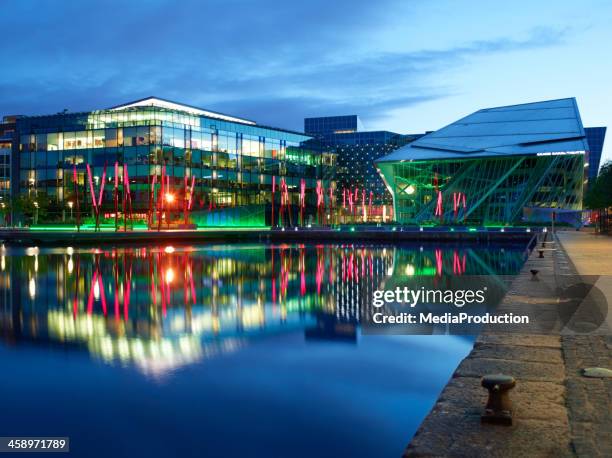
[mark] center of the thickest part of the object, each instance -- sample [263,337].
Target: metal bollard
[541,253]
[499,406]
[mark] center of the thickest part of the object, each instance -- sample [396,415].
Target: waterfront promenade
[557,411]
[342,234]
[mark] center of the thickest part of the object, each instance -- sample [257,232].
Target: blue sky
[406,66]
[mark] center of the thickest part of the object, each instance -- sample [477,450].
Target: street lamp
[169,200]
[70,204]
[35,212]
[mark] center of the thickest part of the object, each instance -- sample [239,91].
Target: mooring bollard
[499,406]
[541,253]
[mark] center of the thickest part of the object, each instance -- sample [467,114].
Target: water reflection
[164,307]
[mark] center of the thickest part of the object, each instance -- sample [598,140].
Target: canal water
[241,350]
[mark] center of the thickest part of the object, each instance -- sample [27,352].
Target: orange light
[169,197]
[169,275]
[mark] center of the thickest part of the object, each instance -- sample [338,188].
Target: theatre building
[507,165]
[164,162]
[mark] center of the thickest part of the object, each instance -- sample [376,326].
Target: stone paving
[557,411]
[589,400]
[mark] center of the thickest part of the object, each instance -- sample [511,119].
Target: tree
[31,207]
[599,196]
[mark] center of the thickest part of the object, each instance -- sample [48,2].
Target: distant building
[356,150]
[502,165]
[595,138]
[332,125]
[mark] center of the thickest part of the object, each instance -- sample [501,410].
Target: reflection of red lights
[97,288]
[439,261]
[294,268]
[458,264]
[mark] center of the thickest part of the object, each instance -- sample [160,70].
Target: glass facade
[232,164]
[493,190]
[506,165]
[356,152]
[7,133]
[595,137]
[332,124]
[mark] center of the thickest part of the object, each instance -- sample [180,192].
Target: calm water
[242,350]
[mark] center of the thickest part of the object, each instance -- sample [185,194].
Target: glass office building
[506,165]
[7,134]
[223,167]
[356,150]
[332,125]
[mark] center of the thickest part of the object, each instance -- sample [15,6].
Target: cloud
[269,61]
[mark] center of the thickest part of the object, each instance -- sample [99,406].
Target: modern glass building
[168,158]
[7,134]
[356,150]
[332,125]
[595,138]
[505,165]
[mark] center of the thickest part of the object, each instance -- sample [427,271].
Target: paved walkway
[557,411]
[589,400]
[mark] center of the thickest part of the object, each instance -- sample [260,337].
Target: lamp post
[70,205]
[169,200]
[35,212]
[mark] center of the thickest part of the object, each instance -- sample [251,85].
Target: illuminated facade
[223,169]
[506,165]
[7,134]
[356,150]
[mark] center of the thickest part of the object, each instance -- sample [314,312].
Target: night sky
[405,66]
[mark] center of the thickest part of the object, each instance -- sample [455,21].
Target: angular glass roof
[552,126]
[168,104]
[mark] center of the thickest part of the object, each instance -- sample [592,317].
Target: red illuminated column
[127,196]
[76,197]
[116,196]
[272,198]
[302,199]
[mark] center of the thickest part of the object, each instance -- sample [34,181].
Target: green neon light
[53,228]
[426,271]
[231,228]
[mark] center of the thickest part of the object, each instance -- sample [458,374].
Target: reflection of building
[175,156]
[444,270]
[328,327]
[500,165]
[165,307]
[359,272]
[162,308]
[356,150]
